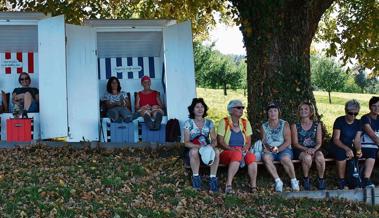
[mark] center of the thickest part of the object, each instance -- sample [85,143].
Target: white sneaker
[279,186]
[295,185]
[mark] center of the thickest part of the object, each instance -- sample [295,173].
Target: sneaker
[367,183]
[321,184]
[295,185]
[196,182]
[279,186]
[341,184]
[213,184]
[307,184]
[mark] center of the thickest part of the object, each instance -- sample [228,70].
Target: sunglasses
[24,79]
[239,107]
[352,113]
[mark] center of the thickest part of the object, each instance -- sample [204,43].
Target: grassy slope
[217,103]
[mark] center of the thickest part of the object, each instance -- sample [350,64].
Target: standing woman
[25,97]
[370,139]
[346,139]
[116,101]
[234,135]
[200,129]
[149,105]
[276,138]
[307,139]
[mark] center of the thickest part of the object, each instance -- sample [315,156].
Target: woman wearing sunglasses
[234,136]
[276,138]
[25,97]
[346,139]
[370,140]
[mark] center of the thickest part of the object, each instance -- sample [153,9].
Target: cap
[144,78]
[207,154]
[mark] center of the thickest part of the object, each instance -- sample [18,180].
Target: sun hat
[207,154]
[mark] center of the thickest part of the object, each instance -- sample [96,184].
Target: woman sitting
[197,131]
[370,140]
[307,139]
[149,105]
[234,135]
[25,98]
[346,139]
[276,138]
[117,103]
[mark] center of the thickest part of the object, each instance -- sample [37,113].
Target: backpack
[173,133]
[353,174]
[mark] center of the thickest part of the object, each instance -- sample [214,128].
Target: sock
[278,180]
[294,180]
[212,176]
[195,174]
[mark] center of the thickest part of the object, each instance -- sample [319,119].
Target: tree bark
[225,92]
[277,36]
[330,98]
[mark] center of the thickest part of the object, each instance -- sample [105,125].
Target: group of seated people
[281,142]
[147,104]
[117,104]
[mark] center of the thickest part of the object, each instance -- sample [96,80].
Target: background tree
[361,79]
[328,75]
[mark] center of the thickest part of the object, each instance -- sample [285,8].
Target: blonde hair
[311,109]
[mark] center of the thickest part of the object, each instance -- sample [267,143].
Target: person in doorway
[370,140]
[307,140]
[149,105]
[116,102]
[276,138]
[199,134]
[234,136]
[346,139]
[25,98]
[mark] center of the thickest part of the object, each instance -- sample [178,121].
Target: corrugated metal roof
[128,23]
[21,15]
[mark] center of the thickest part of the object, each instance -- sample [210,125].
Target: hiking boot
[196,182]
[295,185]
[213,184]
[367,183]
[306,184]
[341,184]
[321,184]
[279,186]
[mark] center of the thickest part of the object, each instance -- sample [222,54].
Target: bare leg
[268,160]
[341,168]
[288,166]
[194,160]
[369,165]
[306,163]
[27,100]
[232,170]
[214,166]
[252,170]
[320,164]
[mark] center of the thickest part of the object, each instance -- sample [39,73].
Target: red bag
[19,130]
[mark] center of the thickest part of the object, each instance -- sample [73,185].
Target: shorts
[33,107]
[279,156]
[369,153]
[338,153]
[228,156]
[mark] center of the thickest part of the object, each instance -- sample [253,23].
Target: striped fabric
[129,67]
[17,62]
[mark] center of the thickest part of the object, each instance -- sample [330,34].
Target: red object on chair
[19,130]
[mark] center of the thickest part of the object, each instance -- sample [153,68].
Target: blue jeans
[279,156]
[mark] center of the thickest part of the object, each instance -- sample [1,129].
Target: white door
[82,84]
[179,69]
[52,78]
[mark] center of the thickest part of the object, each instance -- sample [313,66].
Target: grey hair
[232,104]
[352,104]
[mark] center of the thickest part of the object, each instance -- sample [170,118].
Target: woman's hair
[109,84]
[232,104]
[311,108]
[273,105]
[351,105]
[373,100]
[191,108]
[23,74]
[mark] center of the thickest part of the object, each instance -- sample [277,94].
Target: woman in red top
[149,105]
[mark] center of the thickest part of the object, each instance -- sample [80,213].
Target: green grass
[217,103]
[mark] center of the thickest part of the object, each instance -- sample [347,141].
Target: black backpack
[353,174]
[173,131]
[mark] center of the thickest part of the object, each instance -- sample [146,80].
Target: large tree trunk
[277,35]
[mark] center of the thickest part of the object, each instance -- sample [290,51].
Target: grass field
[217,103]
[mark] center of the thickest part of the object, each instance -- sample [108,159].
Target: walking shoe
[307,184]
[341,184]
[321,184]
[295,185]
[213,184]
[196,182]
[279,186]
[367,183]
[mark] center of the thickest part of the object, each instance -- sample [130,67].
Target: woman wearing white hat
[200,141]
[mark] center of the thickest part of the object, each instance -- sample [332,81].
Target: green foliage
[351,28]
[215,70]
[327,75]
